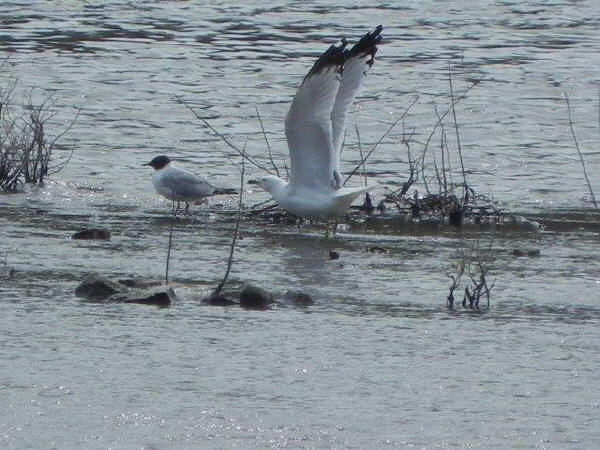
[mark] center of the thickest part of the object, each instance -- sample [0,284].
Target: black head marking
[159,162]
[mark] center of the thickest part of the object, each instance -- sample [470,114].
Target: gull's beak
[145,164]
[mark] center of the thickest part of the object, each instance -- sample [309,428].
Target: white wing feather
[308,124]
[316,121]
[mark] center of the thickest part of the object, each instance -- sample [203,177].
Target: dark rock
[376,249]
[98,287]
[217,300]
[333,255]
[255,298]
[138,283]
[40,212]
[298,298]
[159,296]
[92,233]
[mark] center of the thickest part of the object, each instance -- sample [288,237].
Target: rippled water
[378,361]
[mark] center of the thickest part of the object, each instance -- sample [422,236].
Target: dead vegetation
[26,148]
[474,262]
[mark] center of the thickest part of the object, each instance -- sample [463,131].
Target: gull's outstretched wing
[308,123]
[357,62]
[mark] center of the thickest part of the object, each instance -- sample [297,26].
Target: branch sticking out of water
[388,131]
[361,154]
[267,142]
[173,215]
[237,226]
[243,154]
[580,154]
[441,117]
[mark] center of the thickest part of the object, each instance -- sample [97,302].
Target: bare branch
[243,154]
[237,226]
[267,142]
[580,155]
[388,131]
[361,154]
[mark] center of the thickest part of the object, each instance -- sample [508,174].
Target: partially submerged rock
[333,255]
[159,296]
[254,297]
[376,249]
[531,252]
[96,287]
[298,298]
[92,233]
[217,300]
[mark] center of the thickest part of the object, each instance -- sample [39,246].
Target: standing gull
[181,185]
[314,128]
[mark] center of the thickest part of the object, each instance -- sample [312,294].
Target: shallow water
[378,361]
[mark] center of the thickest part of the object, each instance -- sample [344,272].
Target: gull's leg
[335,225]
[177,209]
[187,207]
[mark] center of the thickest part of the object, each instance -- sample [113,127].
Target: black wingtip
[336,55]
[332,58]
[367,45]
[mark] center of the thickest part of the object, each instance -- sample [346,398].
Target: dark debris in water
[92,234]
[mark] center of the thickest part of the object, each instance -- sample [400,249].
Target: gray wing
[186,185]
[308,123]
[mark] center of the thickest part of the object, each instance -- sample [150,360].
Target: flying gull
[314,128]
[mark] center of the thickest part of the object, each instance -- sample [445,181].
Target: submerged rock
[98,287]
[298,298]
[159,296]
[92,233]
[255,298]
[376,249]
[333,255]
[217,300]
[531,252]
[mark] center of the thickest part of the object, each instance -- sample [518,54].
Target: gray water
[379,361]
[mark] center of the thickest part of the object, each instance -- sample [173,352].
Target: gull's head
[269,183]
[159,162]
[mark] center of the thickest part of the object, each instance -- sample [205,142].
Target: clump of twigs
[26,149]
[474,263]
[444,197]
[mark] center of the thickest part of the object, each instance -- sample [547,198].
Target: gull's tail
[224,191]
[345,196]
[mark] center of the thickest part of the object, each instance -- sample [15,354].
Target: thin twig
[462,164]
[439,121]
[388,131]
[243,154]
[173,213]
[267,142]
[580,155]
[237,226]
[361,154]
